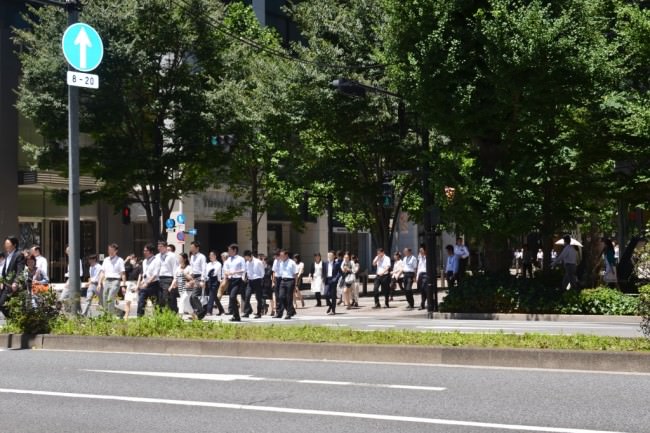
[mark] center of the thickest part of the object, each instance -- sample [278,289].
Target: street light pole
[74,236]
[429,232]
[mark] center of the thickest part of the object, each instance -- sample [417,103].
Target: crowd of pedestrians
[194,284]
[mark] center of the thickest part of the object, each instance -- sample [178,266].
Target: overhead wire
[269,50]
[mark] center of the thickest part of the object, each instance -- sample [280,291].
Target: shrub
[33,314]
[644,309]
[508,294]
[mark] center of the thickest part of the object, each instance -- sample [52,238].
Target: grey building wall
[9,71]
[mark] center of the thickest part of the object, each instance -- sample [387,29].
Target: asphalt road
[46,391]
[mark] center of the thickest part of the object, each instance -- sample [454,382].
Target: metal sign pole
[74,236]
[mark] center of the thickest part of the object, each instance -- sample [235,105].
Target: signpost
[83,50]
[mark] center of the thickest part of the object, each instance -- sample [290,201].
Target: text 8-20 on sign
[79,79]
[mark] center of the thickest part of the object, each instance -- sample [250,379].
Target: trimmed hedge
[508,294]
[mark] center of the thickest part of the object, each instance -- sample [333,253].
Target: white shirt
[422,264]
[151,269]
[197,264]
[41,265]
[461,251]
[94,271]
[216,266]
[236,266]
[113,267]
[254,269]
[568,256]
[409,263]
[330,269]
[287,269]
[168,264]
[81,270]
[383,264]
[398,269]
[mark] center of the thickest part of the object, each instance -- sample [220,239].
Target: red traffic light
[126,215]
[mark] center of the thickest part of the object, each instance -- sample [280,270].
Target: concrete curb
[523,358]
[539,317]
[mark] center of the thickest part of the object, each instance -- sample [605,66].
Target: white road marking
[247,377]
[381,326]
[324,382]
[296,411]
[197,376]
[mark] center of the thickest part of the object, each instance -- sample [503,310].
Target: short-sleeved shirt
[113,267]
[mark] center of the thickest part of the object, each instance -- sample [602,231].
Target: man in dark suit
[12,268]
[332,273]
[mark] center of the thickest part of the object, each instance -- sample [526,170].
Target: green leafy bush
[644,309]
[508,294]
[33,314]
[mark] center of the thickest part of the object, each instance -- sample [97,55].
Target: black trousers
[195,297]
[408,287]
[254,287]
[5,295]
[382,282]
[166,298]
[151,291]
[213,286]
[423,283]
[235,289]
[285,298]
[331,290]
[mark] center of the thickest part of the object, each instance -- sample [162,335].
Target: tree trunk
[254,213]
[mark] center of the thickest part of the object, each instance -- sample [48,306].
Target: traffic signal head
[126,215]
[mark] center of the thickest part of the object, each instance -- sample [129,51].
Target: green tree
[515,87]
[254,105]
[147,124]
[351,144]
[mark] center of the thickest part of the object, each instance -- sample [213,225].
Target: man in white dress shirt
[410,264]
[168,264]
[198,264]
[422,277]
[234,269]
[109,281]
[148,284]
[41,262]
[462,254]
[382,277]
[254,276]
[569,258]
[286,274]
[93,282]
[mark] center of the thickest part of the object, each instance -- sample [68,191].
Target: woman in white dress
[300,269]
[316,274]
[183,282]
[356,267]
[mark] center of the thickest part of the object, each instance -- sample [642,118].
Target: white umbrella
[573,242]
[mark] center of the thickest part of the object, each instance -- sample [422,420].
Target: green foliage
[351,144]
[168,325]
[644,309]
[507,294]
[599,301]
[33,314]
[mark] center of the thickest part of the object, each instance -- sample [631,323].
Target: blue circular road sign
[180,219]
[170,223]
[82,47]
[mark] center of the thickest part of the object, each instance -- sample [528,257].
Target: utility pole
[74,236]
[429,231]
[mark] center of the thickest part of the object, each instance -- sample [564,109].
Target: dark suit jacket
[336,271]
[15,268]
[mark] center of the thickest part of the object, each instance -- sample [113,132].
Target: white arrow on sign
[83,41]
